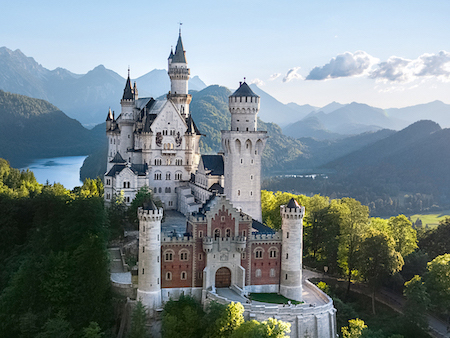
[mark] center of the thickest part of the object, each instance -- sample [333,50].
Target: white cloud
[292,75]
[258,82]
[397,69]
[274,76]
[344,65]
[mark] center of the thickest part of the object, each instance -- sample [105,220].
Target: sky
[385,53]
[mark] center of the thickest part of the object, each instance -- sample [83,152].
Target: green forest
[55,276]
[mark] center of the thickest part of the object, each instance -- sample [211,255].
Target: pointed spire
[171,53]
[110,116]
[128,92]
[179,56]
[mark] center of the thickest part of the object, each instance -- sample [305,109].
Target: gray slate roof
[117,159]
[128,92]
[261,228]
[244,90]
[213,163]
[293,204]
[179,56]
[217,188]
[138,169]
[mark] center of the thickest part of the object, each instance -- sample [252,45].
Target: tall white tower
[243,146]
[292,248]
[126,121]
[179,77]
[149,276]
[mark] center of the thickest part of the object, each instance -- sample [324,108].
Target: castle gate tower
[179,77]
[149,276]
[292,248]
[243,146]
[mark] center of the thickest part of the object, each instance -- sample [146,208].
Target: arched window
[168,255]
[228,232]
[169,275]
[184,255]
[183,275]
[158,176]
[258,253]
[273,252]
[160,190]
[216,233]
[167,176]
[258,273]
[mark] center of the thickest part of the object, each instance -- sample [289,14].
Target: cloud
[344,65]
[397,69]
[274,76]
[258,82]
[292,75]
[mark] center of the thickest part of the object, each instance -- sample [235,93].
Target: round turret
[149,276]
[244,106]
[291,257]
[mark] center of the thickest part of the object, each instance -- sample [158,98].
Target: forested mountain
[416,158]
[33,128]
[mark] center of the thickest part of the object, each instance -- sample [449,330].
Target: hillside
[33,128]
[415,159]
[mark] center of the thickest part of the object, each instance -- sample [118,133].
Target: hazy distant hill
[310,127]
[33,128]
[416,158]
[436,111]
[274,111]
[86,97]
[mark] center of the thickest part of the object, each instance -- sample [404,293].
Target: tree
[183,318]
[404,235]
[354,222]
[437,241]
[378,259]
[138,320]
[354,329]
[437,282]
[93,331]
[270,328]
[228,320]
[144,194]
[417,302]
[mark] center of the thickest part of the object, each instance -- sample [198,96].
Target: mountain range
[87,97]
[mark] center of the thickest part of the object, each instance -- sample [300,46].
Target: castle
[224,245]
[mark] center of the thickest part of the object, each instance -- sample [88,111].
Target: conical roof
[128,92]
[244,90]
[179,56]
[110,116]
[293,204]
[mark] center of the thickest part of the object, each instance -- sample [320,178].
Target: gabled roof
[214,163]
[293,204]
[217,188]
[117,159]
[191,127]
[243,90]
[128,92]
[179,56]
[137,169]
[261,228]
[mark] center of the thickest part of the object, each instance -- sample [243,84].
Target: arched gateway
[223,278]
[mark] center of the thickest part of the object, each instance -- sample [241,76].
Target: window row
[158,176]
[169,255]
[218,233]
[183,275]
[273,252]
[258,273]
[167,190]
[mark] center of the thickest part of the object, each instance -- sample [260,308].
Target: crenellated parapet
[257,237]
[150,215]
[292,213]
[178,239]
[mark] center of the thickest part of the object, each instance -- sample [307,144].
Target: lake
[64,170]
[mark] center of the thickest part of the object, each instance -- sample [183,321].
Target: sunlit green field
[432,220]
